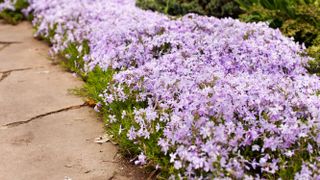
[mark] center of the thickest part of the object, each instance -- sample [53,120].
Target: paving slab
[56,146]
[45,131]
[18,33]
[30,92]
[24,54]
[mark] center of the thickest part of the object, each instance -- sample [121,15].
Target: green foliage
[295,18]
[14,17]
[314,51]
[130,149]
[96,82]
[11,17]
[74,61]
[218,8]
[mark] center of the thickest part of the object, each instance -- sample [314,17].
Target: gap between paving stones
[5,74]
[7,44]
[18,123]
[10,42]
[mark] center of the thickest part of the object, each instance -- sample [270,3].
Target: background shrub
[295,18]
[218,8]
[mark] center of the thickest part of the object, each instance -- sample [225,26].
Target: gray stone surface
[56,146]
[46,132]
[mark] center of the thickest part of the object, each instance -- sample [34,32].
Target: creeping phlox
[7,5]
[229,99]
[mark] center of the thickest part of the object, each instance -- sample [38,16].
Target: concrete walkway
[45,132]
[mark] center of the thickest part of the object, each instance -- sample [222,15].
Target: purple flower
[142,160]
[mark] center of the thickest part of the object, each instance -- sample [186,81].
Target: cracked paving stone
[4,76]
[14,70]
[5,44]
[18,123]
[9,42]
[26,94]
[50,149]
[22,55]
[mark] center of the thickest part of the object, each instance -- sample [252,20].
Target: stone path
[45,132]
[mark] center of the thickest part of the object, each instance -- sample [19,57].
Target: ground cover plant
[196,97]
[11,10]
[295,18]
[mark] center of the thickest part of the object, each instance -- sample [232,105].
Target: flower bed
[10,10]
[197,97]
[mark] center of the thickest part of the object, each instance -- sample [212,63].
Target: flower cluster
[223,98]
[7,5]
[235,99]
